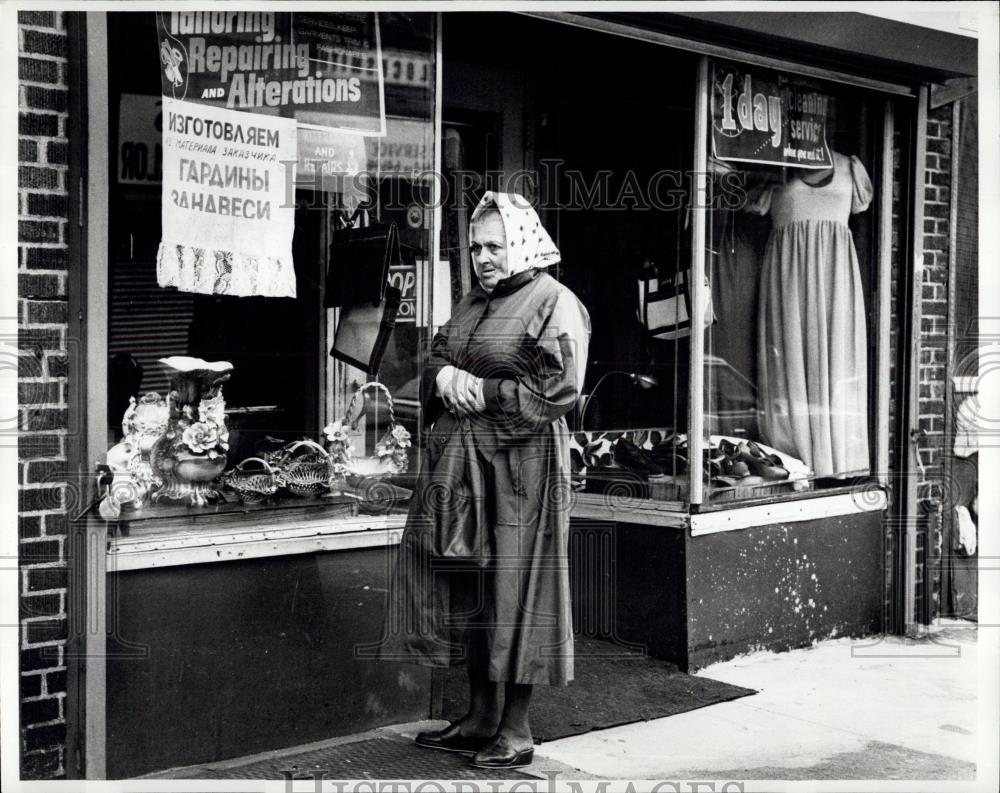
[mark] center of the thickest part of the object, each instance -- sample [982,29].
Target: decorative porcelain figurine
[191,454]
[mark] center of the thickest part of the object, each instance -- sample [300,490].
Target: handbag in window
[360,257]
[665,307]
[363,331]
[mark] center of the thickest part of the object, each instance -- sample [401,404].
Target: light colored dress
[812,362]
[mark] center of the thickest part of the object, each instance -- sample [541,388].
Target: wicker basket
[304,474]
[252,486]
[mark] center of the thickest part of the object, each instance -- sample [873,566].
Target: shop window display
[789,259]
[172,301]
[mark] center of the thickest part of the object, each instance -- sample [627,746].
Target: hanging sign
[227,227]
[404,278]
[323,70]
[764,116]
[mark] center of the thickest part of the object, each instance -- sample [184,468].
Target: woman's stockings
[514,722]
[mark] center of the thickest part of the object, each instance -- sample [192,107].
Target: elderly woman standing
[482,573]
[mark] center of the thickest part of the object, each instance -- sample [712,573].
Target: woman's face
[488,246]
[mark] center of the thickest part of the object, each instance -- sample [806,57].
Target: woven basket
[306,474]
[255,485]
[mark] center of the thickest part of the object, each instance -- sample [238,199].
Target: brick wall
[934,352]
[933,363]
[42,392]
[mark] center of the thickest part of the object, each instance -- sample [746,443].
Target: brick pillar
[934,349]
[42,370]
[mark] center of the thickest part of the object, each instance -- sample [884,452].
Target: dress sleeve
[861,195]
[518,408]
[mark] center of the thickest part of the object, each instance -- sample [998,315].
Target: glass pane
[790,256]
[360,89]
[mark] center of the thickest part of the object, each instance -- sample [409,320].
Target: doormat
[613,685]
[369,758]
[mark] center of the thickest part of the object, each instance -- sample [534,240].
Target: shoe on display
[630,456]
[768,466]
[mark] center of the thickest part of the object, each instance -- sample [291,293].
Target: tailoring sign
[227,227]
[764,116]
[321,69]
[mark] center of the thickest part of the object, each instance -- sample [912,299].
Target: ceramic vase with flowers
[191,454]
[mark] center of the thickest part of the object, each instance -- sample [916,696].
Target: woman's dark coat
[482,567]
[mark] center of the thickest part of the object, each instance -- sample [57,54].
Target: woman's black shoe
[450,739]
[498,753]
[630,456]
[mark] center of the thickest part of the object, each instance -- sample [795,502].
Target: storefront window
[351,97]
[791,269]
[606,160]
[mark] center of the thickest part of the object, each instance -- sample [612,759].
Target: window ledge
[626,509]
[254,540]
[867,500]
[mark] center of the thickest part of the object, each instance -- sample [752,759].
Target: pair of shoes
[630,456]
[748,457]
[717,463]
[670,457]
[731,463]
[450,739]
[498,753]
[769,466]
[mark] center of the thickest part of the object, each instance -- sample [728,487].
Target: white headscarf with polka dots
[528,244]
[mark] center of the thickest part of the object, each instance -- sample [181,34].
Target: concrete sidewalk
[880,708]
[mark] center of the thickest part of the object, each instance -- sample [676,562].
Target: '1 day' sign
[767,117]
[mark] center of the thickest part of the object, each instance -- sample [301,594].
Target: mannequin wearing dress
[812,362]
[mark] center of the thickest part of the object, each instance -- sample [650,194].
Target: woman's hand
[461,390]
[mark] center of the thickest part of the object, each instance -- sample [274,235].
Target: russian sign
[323,70]
[767,117]
[227,229]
